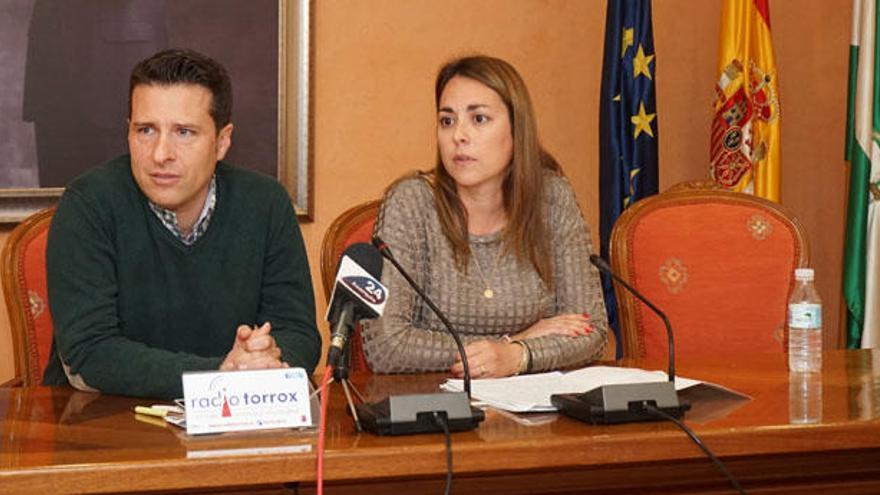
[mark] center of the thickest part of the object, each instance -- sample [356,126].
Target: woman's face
[474,135]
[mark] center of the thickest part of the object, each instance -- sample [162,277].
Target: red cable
[322,426]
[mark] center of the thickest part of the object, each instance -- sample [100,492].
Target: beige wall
[374,64]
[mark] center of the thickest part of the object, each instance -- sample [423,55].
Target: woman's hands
[572,324]
[493,359]
[490,359]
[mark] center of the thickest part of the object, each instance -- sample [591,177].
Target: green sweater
[134,307]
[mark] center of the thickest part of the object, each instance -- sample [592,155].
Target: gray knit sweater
[410,338]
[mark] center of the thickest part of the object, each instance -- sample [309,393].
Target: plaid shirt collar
[169,218]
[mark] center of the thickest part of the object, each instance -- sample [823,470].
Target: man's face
[175,146]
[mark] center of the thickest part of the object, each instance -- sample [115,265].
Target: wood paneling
[7,364]
[60,441]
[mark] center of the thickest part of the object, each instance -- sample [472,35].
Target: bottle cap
[803,274]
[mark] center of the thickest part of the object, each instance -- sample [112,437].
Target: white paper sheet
[531,393]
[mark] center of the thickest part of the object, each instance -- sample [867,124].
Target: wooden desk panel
[55,440]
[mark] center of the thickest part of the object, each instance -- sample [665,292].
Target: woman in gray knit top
[494,236]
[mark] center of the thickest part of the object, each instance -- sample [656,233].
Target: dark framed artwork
[64,86]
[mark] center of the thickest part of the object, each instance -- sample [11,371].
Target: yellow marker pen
[151,420]
[151,411]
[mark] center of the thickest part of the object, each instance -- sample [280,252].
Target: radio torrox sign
[219,401]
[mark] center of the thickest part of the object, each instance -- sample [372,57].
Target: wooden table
[55,440]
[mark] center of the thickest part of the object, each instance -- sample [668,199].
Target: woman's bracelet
[525,358]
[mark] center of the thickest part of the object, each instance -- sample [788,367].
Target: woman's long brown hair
[523,189]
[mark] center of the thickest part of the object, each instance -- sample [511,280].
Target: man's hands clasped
[253,349]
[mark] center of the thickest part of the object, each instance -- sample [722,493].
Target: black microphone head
[597,260]
[366,256]
[352,288]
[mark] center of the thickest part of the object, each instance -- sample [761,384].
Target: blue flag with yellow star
[627,124]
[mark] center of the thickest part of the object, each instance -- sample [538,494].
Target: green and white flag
[861,269]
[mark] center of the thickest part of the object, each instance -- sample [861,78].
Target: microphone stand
[355,303]
[418,413]
[340,374]
[670,345]
[383,249]
[626,402]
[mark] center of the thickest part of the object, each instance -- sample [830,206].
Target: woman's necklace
[488,293]
[498,222]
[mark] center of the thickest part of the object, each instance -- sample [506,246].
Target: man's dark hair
[178,66]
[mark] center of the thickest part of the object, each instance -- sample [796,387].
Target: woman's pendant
[488,293]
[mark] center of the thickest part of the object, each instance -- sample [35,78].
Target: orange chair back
[27,301]
[720,264]
[352,226]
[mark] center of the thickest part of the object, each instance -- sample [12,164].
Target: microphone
[603,265]
[357,295]
[386,252]
[416,413]
[624,403]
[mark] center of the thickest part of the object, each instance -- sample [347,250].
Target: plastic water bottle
[804,324]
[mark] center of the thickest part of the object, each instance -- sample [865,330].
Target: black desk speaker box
[408,414]
[623,403]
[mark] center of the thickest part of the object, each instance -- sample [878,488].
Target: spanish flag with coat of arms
[745,144]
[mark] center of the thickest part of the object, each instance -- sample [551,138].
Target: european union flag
[627,123]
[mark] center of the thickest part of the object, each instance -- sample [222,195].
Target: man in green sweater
[169,260]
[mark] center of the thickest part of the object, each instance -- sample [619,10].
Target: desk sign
[218,401]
